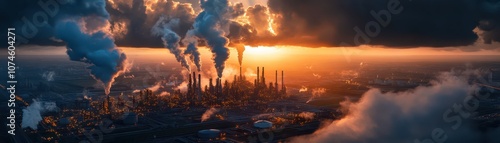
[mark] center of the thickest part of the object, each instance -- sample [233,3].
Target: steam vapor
[32,115]
[48,75]
[315,93]
[307,115]
[208,114]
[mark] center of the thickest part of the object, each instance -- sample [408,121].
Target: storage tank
[209,133]
[262,124]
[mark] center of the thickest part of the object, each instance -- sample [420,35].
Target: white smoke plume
[303,89]
[48,75]
[307,115]
[208,114]
[315,93]
[317,75]
[164,93]
[440,112]
[32,115]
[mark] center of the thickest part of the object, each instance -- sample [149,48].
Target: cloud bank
[440,112]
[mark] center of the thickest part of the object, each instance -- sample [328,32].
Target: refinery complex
[156,103]
[221,111]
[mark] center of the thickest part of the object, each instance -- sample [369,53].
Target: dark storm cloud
[313,23]
[34,20]
[434,23]
[138,20]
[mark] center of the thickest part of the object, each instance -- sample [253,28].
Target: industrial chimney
[283,81]
[263,77]
[195,90]
[257,79]
[276,81]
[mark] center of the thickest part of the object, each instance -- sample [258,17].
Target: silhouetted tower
[263,77]
[211,87]
[276,81]
[257,79]
[220,85]
[199,86]
[283,87]
[190,85]
[241,77]
[271,87]
[217,86]
[195,89]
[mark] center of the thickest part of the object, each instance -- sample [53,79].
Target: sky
[96,31]
[469,25]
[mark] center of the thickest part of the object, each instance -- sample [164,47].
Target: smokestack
[220,85]
[217,84]
[257,81]
[276,81]
[211,85]
[283,81]
[199,81]
[190,84]
[263,77]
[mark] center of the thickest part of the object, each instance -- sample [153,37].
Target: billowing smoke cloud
[211,25]
[208,114]
[170,39]
[48,75]
[137,17]
[32,115]
[381,22]
[93,47]
[440,112]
